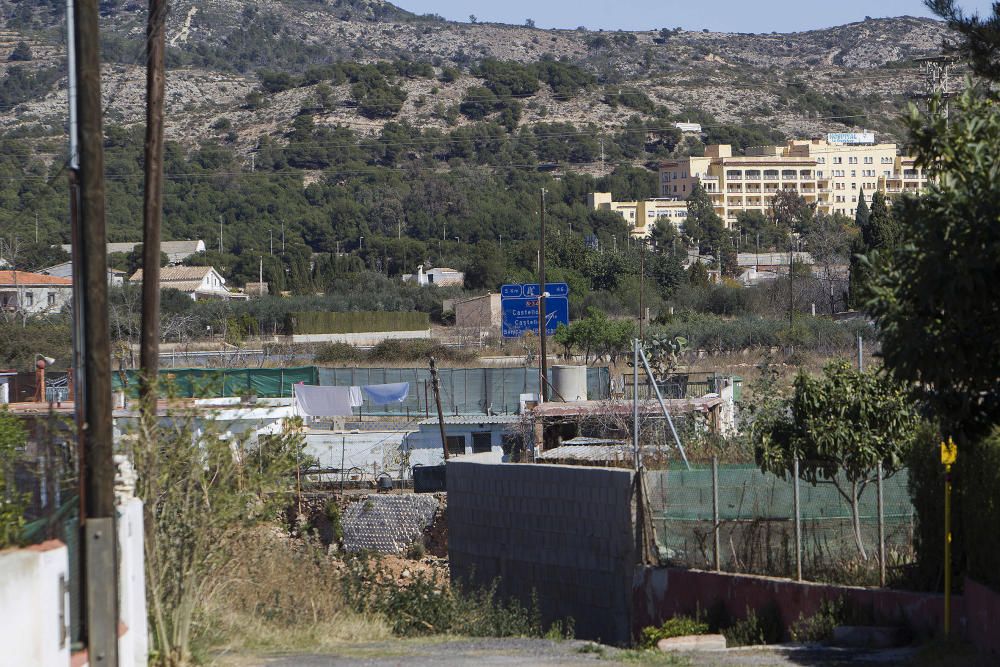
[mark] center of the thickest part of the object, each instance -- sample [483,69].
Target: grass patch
[678,626]
[276,594]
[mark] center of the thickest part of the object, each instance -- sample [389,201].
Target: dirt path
[489,652]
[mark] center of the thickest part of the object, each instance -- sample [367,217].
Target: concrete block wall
[563,532]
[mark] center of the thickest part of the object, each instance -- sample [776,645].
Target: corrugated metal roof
[594,408]
[472,419]
[593,453]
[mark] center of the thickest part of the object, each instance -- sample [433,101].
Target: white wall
[133,646]
[34,606]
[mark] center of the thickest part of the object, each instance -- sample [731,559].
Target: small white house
[441,276]
[473,434]
[198,282]
[33,293]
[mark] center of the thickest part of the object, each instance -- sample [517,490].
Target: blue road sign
[520,315]
[531,289]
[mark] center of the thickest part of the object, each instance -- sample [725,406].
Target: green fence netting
[226,382]
[756,517]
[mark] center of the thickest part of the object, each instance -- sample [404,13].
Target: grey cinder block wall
[564,532]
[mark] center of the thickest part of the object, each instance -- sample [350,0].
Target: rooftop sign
[851,138]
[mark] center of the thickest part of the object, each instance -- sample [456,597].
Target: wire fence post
[798,521]
[881,526]
[715,513]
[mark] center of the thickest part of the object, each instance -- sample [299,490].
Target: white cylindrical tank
[569,383]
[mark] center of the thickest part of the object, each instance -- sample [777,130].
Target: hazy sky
[723,15]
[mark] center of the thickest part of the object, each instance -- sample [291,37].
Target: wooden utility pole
[543,365]
[149,353]
[436,384]
[98,468]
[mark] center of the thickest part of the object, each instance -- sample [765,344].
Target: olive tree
[840,426]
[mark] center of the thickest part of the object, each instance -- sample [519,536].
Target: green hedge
[319,322]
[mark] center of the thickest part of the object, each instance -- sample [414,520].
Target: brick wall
[564,532]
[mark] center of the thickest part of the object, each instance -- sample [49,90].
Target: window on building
[854,199]
[852,160]
[854,173]
[482,442]
[456,444]
[869,160]
[821,160]
[52,299]
[838,160]
[819,174]
[854,186]
[29,299]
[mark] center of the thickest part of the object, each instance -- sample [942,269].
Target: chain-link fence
[738,519]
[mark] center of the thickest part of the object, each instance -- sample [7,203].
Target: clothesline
[340,401]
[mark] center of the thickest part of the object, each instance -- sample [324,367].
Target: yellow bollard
[949,453]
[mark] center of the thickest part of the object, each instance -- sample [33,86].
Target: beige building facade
[641,216]
[831,173]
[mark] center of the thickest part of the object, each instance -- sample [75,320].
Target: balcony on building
[770,174]
[752,174]
[734,175]
[789,174]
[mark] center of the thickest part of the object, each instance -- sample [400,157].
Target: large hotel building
[831,173]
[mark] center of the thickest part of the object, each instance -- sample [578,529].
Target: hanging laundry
[357,399]
[315,401]
[383,394]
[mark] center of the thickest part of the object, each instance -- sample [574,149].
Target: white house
[473,434]
[198,282]
[33,293]
[441,276]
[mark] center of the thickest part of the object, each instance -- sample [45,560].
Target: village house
[198,282]
[33,293]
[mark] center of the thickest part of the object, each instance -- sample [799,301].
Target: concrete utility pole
[543,365]
[149,353]
[436,384]
[97,464]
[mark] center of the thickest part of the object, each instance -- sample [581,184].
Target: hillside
[860,74]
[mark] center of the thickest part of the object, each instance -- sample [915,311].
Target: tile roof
[177,273]
[28,279]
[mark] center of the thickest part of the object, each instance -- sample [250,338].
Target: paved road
[506,652]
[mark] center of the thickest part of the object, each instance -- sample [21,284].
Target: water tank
[569,383]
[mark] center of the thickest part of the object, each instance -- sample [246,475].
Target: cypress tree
[861,215]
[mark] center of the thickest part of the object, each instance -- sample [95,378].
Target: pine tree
[879,232]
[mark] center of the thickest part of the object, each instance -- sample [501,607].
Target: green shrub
[818,627]
[756,629]
[338,352]
[678,626]
[332,511]
[427,606]
[12,503]
[416,551]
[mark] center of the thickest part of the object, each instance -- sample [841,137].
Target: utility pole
[149,352]
[36,227]
[270,241]
[791,294]
[220,235]
[642,285]
[97,465]
[282,237]
[543,365]
[436,384]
